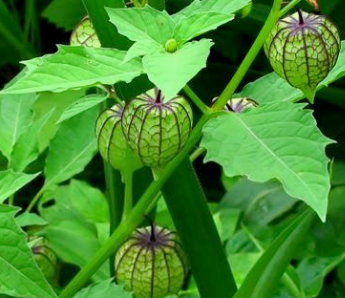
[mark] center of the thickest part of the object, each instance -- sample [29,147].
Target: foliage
[254,234]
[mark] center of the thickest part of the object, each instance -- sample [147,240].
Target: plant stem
[197,101]
[134,218]
[35,199]
[250,57]
[128,205]
[196,153]
[287,8]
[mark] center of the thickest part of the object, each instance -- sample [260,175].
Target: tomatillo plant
[128,87]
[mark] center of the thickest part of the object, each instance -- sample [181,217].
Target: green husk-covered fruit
[151,263]
[85,35]
[157,130]
[303,48]
[44,256]
[112,144]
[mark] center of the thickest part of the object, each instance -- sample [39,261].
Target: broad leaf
[83,104]
[26,149]
[19,274]
[140,24]
[170,72]
[272,88]
[279,141]
[198,24]
[15,117]
[75,67]
[228,7]
[10,182]
[266,273]
[72,148]
[104,289]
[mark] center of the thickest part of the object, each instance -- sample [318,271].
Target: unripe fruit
[303,48]
[112,144]
[44,257]
[85,35]
[151,263]
[157,130]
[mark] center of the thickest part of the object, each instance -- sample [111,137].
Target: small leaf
[266,273]
[170,72]
[11,181]
[198,24]
[228,7]
[83,104]
[273,141]
[26,149]
[72,148]
[75,67]
[104,289]
[19,274]
[30,219]
[142,48]
[15,117]
[140,24]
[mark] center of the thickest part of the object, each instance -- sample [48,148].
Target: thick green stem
[250,57]
[128,205]
[188,207]
[197,101]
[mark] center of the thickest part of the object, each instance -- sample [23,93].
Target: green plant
[269,146]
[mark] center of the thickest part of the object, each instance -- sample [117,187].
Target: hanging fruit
[85,35]
[303,48]
[157,130]
[151,263]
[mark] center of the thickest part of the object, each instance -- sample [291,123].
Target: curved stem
[196,153]
[128,205]
[288,7]
[35,199]
[197,101]
[250,57]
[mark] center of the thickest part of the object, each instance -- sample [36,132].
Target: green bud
[44,257]
[112,144]
[171,45]
[156,130]
[151,263]
[85,35]
[303,48]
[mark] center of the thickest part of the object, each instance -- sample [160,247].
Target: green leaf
[198,24]
[103,289]
[142,48]
[72,148]
[265,275]
[44,104]
[140,24]
[16,116]
[26,149]
[67,19]
[74,212]
[75,67]
[11,181]
[19,274]
[273,88]
[83,104]
[170,72]
[30,219]
[280,141]
[228,7]
[313,270]
[261,203]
